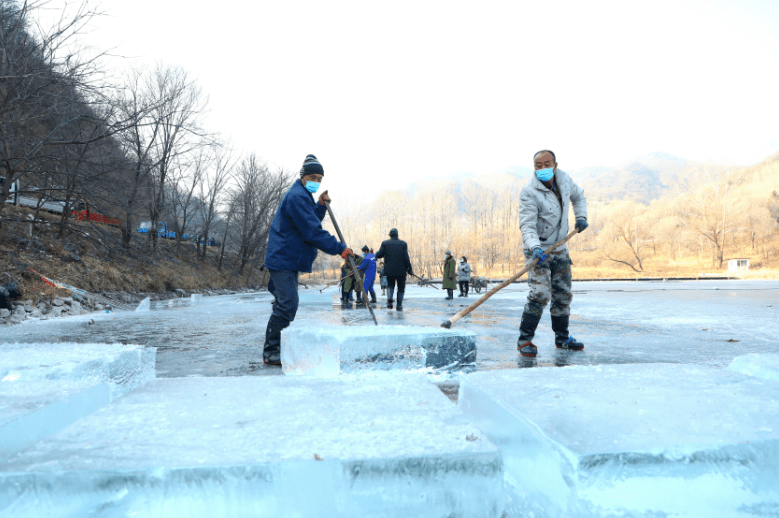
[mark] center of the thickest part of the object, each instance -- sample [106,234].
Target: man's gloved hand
[581,224]
[324,197]
[410,271]
[538,254]
[347,253]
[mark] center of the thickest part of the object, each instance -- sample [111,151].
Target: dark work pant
[464,287]
[284,287]
[400,279]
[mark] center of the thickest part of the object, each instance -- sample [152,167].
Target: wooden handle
[351,261]
[448,324]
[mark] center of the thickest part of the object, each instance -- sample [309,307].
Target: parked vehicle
[162,230]
[211,242]
[51,205]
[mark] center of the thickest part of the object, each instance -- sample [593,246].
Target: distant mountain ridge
[644,179]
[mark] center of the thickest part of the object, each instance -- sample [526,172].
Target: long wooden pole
[334,282]
[448,324]
[351,261]
[425,282]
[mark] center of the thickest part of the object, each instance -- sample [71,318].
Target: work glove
[410,271]
[324,197]
[347,252]
[538,254]
[581,224]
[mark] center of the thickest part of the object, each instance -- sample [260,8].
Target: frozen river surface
[692,322]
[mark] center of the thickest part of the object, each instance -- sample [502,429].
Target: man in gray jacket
[543,219]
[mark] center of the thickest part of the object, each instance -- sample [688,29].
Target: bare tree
[177,107]
[47,83]
[707,207]
[629,239]
[257,194]
[186,178]
[212,190]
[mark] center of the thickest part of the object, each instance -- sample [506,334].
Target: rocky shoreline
[60,307]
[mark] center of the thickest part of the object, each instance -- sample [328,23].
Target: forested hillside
[656,216]
[120,165]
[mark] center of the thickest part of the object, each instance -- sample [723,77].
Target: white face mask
[462,262]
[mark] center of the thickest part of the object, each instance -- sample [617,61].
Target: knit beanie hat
[311,166]
[365,249]
[393,232]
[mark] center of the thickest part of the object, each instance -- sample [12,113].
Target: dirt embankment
[90,257]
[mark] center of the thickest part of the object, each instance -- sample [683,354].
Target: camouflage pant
[550,280]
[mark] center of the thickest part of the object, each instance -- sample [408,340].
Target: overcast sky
[388,93]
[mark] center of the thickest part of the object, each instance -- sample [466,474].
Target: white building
[738,264]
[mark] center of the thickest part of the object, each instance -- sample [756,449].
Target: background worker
[463,276]
[543,220]
[342,283]
[368,267]
[382,279]
[450,270]
[396,265]
[295,235]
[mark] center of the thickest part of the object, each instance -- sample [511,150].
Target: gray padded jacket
[541,219]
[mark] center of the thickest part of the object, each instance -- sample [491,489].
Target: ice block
[330,350]
[32,410]
[631,440]
[122,367]
[764,366]
[389,445]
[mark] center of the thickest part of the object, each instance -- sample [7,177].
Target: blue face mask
[545,174]
[312,187]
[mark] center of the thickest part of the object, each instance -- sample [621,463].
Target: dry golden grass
[138,269]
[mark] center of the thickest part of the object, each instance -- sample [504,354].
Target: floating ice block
[145,305]
[32,410]
[330,350]
[631,440]
[388,445]
[122,367]
[764,366]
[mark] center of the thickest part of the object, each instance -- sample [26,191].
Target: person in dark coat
[368,268]
[396,265]
[295,235]
[450,270]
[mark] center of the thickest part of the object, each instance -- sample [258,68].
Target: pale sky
[389,93]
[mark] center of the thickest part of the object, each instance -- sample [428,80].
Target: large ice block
[32,410]
[631,440]
[122,367]
[375,445]
[330,350]
[764,366]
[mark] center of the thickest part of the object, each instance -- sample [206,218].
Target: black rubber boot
[373,297]
[400,301]
[527,330]
[391,292]
[271,351]
[561,337]
[449,294]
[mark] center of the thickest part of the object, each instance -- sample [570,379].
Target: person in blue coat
[295,236]
[369,267]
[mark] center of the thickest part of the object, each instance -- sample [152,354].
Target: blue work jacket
[296,232]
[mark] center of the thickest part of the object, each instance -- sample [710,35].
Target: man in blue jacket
[369,267]
[295,235]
